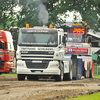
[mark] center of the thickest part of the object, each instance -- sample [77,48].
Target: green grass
[96,77]
[95,96]
[8,74]
[16,74]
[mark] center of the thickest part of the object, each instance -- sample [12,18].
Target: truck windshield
[38,39]
[74,38]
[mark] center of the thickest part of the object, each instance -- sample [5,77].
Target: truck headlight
[54,65]
[20,64]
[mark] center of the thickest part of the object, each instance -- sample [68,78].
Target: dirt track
[44,89]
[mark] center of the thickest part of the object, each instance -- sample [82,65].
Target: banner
[73,50]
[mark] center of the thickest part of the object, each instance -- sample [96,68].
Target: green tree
[29,12]
[6,13]
[87,8]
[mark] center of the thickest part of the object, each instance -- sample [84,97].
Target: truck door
[11,51]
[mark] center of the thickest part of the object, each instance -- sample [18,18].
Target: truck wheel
[32,77]
[61,76]
[29,77]
[21,77]
[69,75]
[91,75]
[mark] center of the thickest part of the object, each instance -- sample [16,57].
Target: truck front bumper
[51,69]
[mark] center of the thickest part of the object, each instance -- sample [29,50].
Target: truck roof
[39,28]
[5,36]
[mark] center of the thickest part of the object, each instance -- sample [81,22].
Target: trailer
[78,52]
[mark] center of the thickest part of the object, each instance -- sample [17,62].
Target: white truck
[40,52]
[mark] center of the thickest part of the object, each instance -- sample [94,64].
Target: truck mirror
[14,41]
[88,39]
[60,46]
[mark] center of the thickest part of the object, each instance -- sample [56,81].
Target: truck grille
[37,54]
[36,65]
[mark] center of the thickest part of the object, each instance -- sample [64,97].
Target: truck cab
[40,52]
[6,52]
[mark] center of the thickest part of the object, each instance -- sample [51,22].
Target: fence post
[97,70]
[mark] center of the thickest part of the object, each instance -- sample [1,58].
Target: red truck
[6,52]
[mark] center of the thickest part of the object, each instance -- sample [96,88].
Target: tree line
[39,12]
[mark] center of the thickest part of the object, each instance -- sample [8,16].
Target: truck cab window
[38,38]
[53,38]
[6,45]
[74,38]
[1,45]
[28,38]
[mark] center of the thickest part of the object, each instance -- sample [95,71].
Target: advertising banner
[73,50]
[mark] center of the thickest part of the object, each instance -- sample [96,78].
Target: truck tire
[91,75]
[61,76]
[29,77]
[69,75]
[21,77]
[87,73]
[32,77]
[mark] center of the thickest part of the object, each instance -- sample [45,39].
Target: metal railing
[96,70]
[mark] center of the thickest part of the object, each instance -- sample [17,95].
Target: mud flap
[74,67]
[79,69]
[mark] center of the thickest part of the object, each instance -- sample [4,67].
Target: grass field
[95,96]
[8,74]
[96,76]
